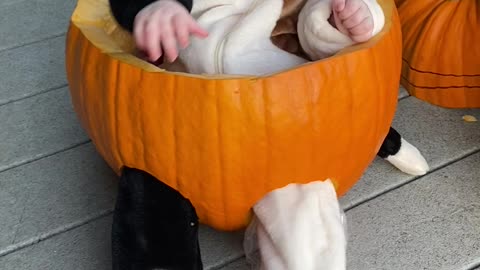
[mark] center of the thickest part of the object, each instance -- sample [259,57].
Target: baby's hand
[353,18]
[161,25]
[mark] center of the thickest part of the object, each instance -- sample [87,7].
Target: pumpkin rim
[129,59]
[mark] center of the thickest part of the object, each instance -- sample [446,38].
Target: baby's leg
[402,154]
[154,226]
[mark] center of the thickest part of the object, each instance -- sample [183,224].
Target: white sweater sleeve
[318,38]
[377,14]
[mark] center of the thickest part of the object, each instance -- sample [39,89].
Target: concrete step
[25,22]
[37,127]
[432,223]
[32,69]
[52,195]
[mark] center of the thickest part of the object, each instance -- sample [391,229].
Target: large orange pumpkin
[441,51]
[226,141]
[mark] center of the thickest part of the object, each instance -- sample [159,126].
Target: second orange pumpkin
[441,51]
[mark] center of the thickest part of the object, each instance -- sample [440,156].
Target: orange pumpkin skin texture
[441,51]
[224,142]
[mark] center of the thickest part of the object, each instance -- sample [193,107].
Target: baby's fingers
[169,43]
[181,31]
[338,5]
[364,27]
[148,40]
[138,34]
[356,18]
[196,30]
[351,7]
[361,36]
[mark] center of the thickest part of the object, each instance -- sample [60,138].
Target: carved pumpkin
[441,51]
[224,141]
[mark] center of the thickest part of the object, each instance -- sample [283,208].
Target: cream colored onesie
[240,31]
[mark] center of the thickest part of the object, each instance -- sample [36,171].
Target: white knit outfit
[240,30]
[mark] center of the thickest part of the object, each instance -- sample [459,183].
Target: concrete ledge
[432,223]
[32,69]
[37,127]
[24,22]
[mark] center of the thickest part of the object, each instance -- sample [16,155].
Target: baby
[174,29]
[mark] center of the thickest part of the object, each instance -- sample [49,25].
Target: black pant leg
[391,144]
[154,226]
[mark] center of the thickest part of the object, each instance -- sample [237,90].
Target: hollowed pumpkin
[441,51]
[225,141]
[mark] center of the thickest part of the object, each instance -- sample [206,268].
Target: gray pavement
[57,194]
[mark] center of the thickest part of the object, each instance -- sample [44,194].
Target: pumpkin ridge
[380,112]
[149,162]
[98,132]
[175,138]
[424,30]
[83,69]
[351,104]
[437,73]
[82,110]
[440,87]
[311,121]
[114,95]
[223,181]
[267,119]
[328,109]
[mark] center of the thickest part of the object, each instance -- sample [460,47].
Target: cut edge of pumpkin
[102,40]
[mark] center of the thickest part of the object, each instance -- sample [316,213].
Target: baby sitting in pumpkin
[248,37]
[243,37]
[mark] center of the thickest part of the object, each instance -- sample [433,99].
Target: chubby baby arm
[158,26]
[125,11]
[359,19]
[354,21]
